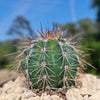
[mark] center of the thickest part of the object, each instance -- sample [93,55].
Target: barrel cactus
[51,60]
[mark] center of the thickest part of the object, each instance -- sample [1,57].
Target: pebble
[95,96]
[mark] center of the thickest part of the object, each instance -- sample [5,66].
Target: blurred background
[20,17]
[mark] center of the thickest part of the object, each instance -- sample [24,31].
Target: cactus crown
[50,61]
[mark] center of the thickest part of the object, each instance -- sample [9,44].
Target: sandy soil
[88,88]
[6,74]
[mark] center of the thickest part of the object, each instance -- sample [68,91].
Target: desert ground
[6,75]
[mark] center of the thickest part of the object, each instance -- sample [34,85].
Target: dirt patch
[6,75]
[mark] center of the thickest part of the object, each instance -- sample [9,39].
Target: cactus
[50,61]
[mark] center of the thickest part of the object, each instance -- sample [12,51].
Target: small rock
[7,86]
[98,84]
[34,98]
[85,97]
[85,91]
[19,82]
[19,90]
[46,97]
[95,96]
[73,94]
[10,97]
[88,81]
[55,97]
[25,90]
[44,94]
[29,94]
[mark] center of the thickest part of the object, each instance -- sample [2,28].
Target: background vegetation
[89,28]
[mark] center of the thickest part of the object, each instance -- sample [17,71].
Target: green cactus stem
[50,61]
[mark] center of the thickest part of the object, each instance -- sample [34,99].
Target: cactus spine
[50,61]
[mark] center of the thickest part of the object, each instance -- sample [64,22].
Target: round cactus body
[49,62]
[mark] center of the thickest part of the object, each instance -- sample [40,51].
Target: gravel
[88,88]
